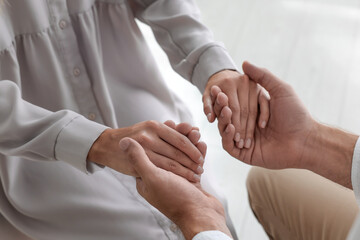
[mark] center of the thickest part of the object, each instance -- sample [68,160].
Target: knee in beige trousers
[298,204]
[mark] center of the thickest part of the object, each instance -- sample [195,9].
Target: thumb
[137,157]
[262,76]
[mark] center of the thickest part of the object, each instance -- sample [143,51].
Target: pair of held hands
[254,129]
[276,138]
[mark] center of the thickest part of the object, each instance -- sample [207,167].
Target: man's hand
[243,98]
[292,139]
[186,204]
[165,146]
[282,143]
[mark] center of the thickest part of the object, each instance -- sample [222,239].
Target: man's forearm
[329,152]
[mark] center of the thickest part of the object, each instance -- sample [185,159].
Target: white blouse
[69,69]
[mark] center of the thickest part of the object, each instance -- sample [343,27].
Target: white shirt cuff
[355,171]
[74,142]
[211,235]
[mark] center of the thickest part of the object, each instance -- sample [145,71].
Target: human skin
[292,138]
[166,147]
[243,96]
[186,204]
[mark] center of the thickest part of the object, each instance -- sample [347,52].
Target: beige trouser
[298,204]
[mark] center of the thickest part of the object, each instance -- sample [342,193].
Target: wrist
[206,220]
[96,152]
[328,152]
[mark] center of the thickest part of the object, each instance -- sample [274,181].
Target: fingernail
[199,170]
[263,124]
[201,159]
[197,177]
[124,144]
[209,116]
[227,130]
[221,115]
[217,101]
[241,143]
[237,137]
[248,143]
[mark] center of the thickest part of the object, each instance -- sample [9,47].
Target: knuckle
[235,108]
[244,111]
[173,166]
[143,138]
[266,70]
[189,175]
[244,79]
[182,143]
[253,113]
[193,166]
[227,81]
[177,154]
[153,124]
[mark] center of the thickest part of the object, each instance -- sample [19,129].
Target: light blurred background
[312,44]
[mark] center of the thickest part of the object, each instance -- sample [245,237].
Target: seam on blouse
[104,2]
[212,45]
[42,32]
[61,130]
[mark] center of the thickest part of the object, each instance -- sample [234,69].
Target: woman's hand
[243,100]
[165,146]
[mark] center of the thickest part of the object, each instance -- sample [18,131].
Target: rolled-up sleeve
[188,43]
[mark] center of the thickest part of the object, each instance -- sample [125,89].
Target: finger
[194,136]
[262,76]
[214,91]
[191,132]
[186,129]
[228,141]
[220,102]
[235,109]
[174,167]
[224,119]
[170,124]
[202,147]
[167,150]
[195,128]
[208,106]
[183,128]
[253,112]
[264,109]
[243,94]
[137,158]
[181,142]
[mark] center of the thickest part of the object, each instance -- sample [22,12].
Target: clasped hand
[172,147]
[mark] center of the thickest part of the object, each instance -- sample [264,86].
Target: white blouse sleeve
[355,171]
[211,235]
[34,133]
[189,45]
